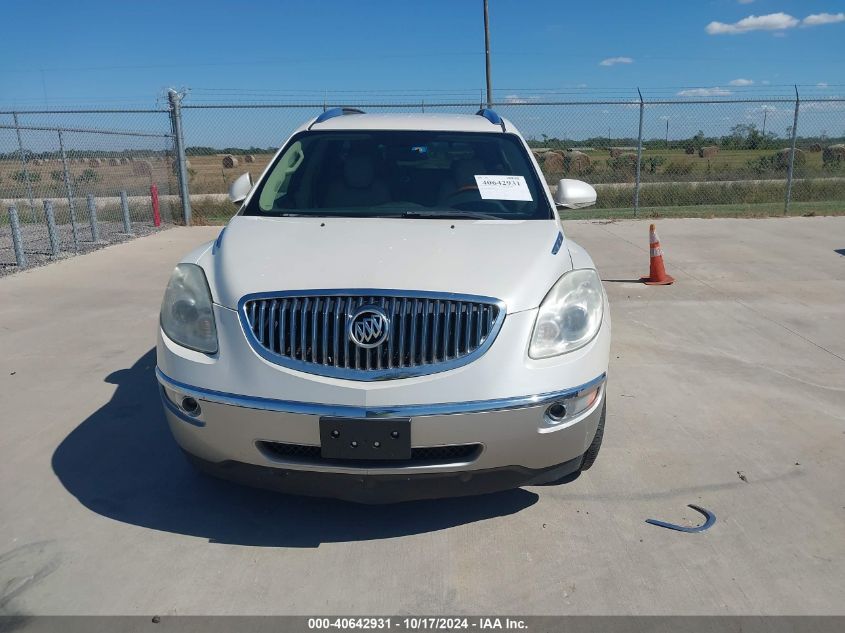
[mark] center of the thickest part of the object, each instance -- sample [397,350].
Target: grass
[764,210]
[709,193]
[708,196]
[735,164]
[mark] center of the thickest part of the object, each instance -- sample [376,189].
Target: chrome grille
[426,332]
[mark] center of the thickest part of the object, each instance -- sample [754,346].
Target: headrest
[358,171]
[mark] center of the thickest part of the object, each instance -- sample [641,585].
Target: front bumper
[227,434]
[385,488]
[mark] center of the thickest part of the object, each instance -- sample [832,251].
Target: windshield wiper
[446,215]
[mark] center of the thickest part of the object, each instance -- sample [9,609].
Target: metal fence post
[92,217]
[51,227]
[127,220]
[69,189]
[17,241]
[639,156]
[179,145]
[23,164]
[792,155]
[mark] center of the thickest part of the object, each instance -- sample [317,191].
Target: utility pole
[487,54]
[667,133]
[765,116]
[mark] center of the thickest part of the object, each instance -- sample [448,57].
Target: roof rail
[491,116]
[334,112]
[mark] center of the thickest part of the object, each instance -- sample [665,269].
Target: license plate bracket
[365,438]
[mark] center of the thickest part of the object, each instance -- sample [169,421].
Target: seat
[358,187]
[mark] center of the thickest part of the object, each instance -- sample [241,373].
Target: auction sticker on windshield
[503,188]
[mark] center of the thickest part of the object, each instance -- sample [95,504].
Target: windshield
[386,173]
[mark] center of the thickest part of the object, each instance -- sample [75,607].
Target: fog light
[570,408]
[556,412]
[190,406]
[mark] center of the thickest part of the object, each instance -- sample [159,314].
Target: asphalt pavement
[726,390]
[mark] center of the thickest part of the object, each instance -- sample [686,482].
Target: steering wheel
[461,193]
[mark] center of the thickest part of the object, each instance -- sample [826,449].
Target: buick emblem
[368,327]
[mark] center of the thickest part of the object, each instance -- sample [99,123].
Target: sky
[94,53]
[114,52]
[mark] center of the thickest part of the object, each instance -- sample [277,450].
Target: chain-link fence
[650,156]
[72,181]
[682,156]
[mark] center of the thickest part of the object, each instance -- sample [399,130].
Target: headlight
[570,315]
[186,313]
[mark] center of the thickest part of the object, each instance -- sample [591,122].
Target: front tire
[593,451]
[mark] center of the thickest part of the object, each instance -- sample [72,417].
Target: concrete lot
[737,368]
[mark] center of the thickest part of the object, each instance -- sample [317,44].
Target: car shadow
[122,463]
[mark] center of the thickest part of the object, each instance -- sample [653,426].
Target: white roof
[411,121]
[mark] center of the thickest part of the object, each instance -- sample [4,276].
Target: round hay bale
[782,158]
[623,166]
[114,162]
[576,162]
[95,162]
[124,161]
[708,152]
[249,158]
[142,168]
[616,152]
[833,155]
[553,164]
[689,150]
[815,147]
[229,161]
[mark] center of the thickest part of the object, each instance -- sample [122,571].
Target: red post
[156,212]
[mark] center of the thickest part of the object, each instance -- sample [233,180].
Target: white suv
[394,313]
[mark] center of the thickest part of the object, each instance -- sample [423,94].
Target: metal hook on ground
[709,516]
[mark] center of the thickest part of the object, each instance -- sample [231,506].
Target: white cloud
[612,61]
[742,82]
[770,22]
[715,91]
[778,22]
[515,99]
[821,84]
[745,1]
[823,18]
[834,105]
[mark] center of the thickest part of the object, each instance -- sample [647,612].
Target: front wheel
[593,451]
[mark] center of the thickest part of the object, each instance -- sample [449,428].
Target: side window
[278,181]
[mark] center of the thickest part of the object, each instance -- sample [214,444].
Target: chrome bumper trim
[342,410]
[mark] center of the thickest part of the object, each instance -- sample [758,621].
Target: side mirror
[574,194]
[239,190]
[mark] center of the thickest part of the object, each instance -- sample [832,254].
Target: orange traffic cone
[657,274]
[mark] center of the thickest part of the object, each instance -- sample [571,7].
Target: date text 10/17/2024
[417,623]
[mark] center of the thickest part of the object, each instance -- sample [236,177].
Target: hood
[508,260]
